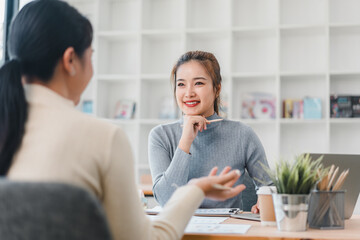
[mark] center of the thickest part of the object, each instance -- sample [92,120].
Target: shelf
[290,121]
[299,27]
[305,137]
[345,138]
[117,77]
[156,122]
[299,87]
[117,35]
[255,51]
[156,97]
[208,13]
[255,84]
[245,75]
[344,12]
[217,44]
[110,93]
[254,13]
[347,84]
[121,121]
[303,50]
[288,48]
[160,33]
[156,77]
[345,25]
[302,74]
[338,73]
[121,15]
[304,12]
[162,14]
[210,32]
[344,49]
[345,121]
[118,56]
[252,29]
[159,52]
[257,121]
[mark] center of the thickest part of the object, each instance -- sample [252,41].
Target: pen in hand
[210,121]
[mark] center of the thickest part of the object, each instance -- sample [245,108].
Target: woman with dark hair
[43,137]
[190,147]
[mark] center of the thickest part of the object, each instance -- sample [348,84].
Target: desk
[258,232]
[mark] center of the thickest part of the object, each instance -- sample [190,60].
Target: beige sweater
[63,145]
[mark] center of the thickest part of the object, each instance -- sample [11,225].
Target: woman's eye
[199,83]
[180,84]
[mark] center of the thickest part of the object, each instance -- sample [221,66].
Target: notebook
[351,184]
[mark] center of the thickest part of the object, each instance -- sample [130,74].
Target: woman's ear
[68,60]
[218,90]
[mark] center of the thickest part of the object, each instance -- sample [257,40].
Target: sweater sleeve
[168,172]
[122,205]
[255,159]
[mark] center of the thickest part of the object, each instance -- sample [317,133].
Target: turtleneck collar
[38,94]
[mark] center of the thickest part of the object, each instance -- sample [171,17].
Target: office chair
[44,211]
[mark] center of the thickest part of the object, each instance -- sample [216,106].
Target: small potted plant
[293,182]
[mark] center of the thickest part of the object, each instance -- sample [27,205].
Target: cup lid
[267,190]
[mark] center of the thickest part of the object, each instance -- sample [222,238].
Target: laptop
[352,182]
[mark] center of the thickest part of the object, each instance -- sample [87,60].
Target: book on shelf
[87,106]
[258,105]
[124,109]
[312,108]
[307,108]
[344,106]
[355,102]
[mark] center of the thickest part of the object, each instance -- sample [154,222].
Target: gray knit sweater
[224,143]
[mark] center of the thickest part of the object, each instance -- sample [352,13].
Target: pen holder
[326,210]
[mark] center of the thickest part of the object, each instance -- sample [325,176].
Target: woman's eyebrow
[194,79]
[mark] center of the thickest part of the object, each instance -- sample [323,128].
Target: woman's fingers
[234,191]
[226,194]
[213,171]
[229,177]
[255,208]
[225,170]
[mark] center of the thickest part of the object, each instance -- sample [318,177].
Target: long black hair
[38,37]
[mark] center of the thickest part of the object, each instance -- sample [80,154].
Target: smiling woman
[190,147]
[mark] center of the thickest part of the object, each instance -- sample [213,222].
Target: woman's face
[195,93]
[85,73]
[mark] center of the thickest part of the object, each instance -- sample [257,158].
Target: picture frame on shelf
[124,109]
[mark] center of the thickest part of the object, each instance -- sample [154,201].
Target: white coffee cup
[266,205]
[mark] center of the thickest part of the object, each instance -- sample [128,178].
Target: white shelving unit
[289,48]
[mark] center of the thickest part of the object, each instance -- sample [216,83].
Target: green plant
[298,177]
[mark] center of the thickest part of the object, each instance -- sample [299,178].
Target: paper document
[207,220]
[217,228]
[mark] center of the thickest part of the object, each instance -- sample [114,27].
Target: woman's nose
[190,92]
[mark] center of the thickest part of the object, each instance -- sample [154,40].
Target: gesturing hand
[225,178]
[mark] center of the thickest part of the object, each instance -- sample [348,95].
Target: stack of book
[307,108]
